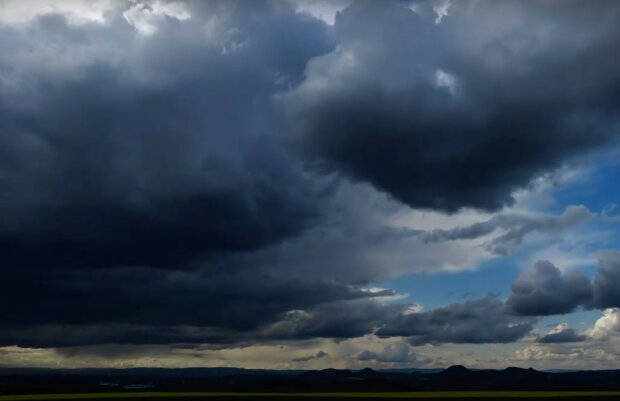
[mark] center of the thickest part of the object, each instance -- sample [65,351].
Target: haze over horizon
[308,184]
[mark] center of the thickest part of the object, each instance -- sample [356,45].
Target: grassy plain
[340,396]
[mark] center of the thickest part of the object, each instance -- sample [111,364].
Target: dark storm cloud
[225,305]
[222,312]
[340,319]
[544,290]
[67,335]
[157,154]
[606,283]
[485,320]
[227,298]
[464,112]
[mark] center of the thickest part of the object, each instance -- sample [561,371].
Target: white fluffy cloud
[325,10]
[146,16]
[606,326]
[77,12]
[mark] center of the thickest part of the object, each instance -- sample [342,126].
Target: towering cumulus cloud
[232,172]
[463,112]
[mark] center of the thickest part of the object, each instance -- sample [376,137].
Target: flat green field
[392,396]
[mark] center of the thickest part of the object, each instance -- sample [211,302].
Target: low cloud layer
[485,320]
[393,353]
[561,334]
[515,228]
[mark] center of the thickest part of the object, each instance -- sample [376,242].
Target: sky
[301,184]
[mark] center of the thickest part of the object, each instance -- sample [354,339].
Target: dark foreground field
[229,384]
[388,396]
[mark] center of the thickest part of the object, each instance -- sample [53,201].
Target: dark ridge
[456,370]
[454,378]
[513,369]
[367,372]
[517,369]
[329,373]
[522,373]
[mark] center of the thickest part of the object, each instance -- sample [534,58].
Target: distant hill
[15,381]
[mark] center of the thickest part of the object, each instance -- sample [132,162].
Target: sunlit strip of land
[419,394]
